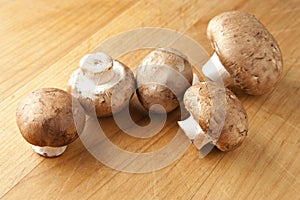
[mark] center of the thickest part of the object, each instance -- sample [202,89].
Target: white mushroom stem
[49,151]
[97,74]
[195,79]
[215,71]
[194,132]
[190,127]
[97,67]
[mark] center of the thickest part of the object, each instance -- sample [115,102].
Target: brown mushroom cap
[46,117]
[206,103]
[247,50]
[169,73]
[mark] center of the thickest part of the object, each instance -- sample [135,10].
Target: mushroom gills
[49,151]
[195,133]
[215,71]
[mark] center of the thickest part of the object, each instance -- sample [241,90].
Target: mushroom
[162,78]
[246,55]
[46,119]
[216,117]
[101,84]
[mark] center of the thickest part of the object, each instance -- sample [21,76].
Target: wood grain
[42,43]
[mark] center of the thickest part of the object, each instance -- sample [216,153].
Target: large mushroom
[101,84]
[216,117]
[46,119]
[246,55]
[162,78]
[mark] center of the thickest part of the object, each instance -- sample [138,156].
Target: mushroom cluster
[245,56]
[50,119]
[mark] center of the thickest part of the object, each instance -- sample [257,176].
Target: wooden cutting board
[42,43]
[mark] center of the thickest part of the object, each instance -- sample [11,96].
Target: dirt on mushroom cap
[209,104]
[247,50]
[46,117]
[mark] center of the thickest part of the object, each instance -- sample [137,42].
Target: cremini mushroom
[46,119]
[101,84]
[216,117]
[162,78]
[246,55]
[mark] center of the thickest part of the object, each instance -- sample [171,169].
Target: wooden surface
[42,43]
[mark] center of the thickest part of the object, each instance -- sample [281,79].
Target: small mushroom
[216,117]
[46,118]
[246,55]
[162,78]
[102,84]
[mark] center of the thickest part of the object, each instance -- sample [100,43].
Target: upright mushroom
[246,55]
[46,118]
[162,78]
[101,84]
[216,117]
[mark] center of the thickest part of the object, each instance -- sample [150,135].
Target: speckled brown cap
[212,106]
[247,50]
[171,74]
[46,117]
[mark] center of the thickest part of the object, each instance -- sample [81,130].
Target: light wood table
[42,43]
